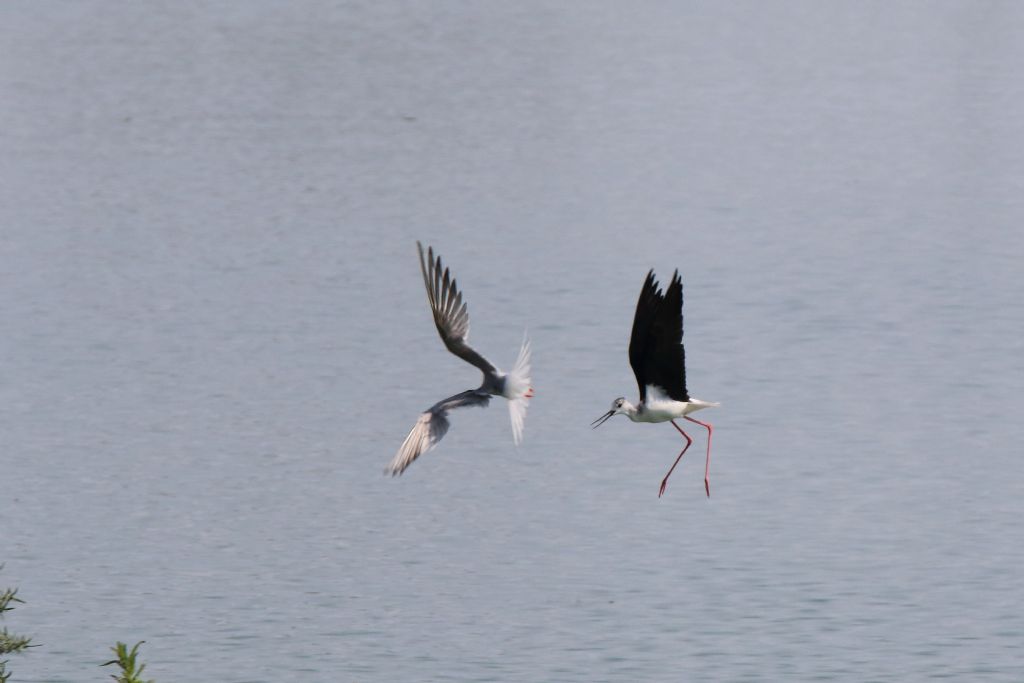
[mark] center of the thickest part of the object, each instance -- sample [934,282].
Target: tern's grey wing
[450,313]
[432,425]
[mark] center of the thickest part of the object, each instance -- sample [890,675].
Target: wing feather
[431,427]
[639,341]
[656,350]
[451,314]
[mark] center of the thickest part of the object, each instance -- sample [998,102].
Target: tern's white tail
[518,390]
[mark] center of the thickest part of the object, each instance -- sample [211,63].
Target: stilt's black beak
[601,420]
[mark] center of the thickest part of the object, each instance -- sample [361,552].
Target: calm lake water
[215,337]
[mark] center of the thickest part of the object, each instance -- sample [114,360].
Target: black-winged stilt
[452,320]
[659,363]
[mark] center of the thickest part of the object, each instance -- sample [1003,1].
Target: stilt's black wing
[639,341]
[656,345]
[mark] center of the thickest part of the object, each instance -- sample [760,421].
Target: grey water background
[215,337]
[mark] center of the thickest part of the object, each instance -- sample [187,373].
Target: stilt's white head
[620,406]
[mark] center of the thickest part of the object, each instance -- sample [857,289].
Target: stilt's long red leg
[707,463]
[664,482]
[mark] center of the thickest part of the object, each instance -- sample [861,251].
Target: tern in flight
[452,320]
[659,363]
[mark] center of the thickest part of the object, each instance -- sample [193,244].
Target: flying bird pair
[655,354]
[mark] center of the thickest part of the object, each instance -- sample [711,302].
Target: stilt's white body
[662,409]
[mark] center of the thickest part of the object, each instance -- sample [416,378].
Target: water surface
[216,337]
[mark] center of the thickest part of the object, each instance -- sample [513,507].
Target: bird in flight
[659,363]
[452,320]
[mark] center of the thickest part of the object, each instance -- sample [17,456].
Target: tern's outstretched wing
[432,425]
[450,313]
[656,346]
